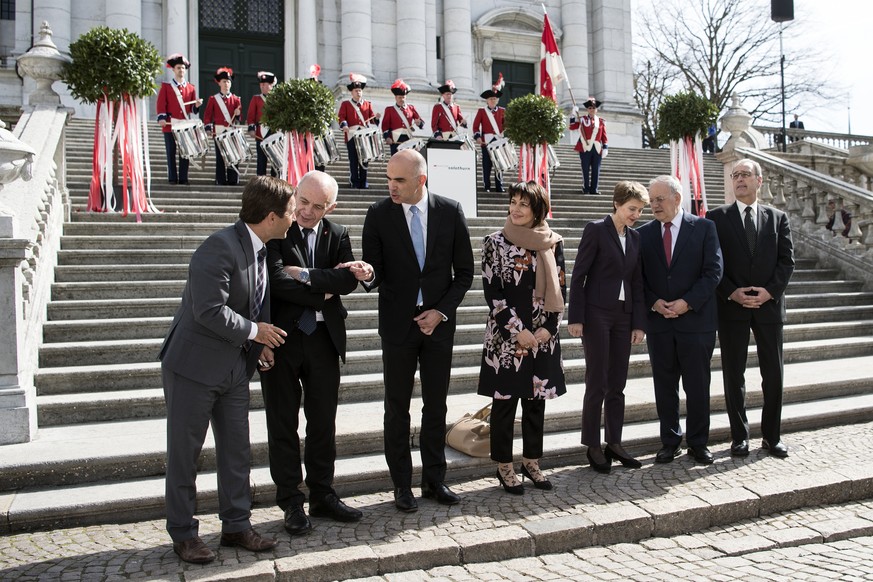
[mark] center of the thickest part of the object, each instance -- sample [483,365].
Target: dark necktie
[751,232]
[417,232]
[668,242]
[260,283]
[307,322]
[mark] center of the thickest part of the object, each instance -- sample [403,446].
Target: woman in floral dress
[523,280]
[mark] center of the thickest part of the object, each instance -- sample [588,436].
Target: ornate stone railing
[841,140]
[804,195]
[32,196]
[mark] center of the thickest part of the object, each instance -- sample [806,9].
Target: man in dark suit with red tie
[758,263]
[682,265]
[306,282]
[419,247]
[220,333]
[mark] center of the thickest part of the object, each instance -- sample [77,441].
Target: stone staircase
[99,455]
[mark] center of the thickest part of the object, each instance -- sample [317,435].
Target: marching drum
[415,143]
[233,146]
[324,149]
[190,138]
[503,154]
[274,146]
[368,143]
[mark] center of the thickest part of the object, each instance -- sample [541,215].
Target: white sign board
[452,173]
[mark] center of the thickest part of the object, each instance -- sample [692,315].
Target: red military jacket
[214,116]
[439,123]
[348,116]
[255,112]
[391,120]
[482,127]
[586,124]
[168,105]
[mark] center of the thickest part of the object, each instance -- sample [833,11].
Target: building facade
[425,42]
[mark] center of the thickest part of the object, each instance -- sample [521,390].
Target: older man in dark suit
[220,333]
[758,263]
[305,287]
[419,247]
[682,265]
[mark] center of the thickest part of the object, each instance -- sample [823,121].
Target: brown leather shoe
[194,551]
[248,539]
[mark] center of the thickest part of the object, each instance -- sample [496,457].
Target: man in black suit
[305,285]
[220,333]
[419,247]
[682,265]
[758,263]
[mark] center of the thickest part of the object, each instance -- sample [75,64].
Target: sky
[841,31]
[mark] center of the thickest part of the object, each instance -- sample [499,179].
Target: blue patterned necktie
[417,232]
[307,322]
[260,283]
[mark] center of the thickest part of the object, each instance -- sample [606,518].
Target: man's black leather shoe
[668,453]
[700,454]
[440,492]
[404,500]
[777,450]
[296,522]
[740,449]
[193,550]
[332,506]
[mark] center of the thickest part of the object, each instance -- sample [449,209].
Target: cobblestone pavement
[823,464]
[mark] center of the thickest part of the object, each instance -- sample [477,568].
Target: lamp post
[782,11]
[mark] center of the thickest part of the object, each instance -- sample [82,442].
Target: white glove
[575,111]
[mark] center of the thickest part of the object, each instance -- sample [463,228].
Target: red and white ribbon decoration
[299,158]
[686,166]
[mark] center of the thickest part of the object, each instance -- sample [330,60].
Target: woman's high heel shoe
[617,453]
[514,489]
[600,467]
[542,482]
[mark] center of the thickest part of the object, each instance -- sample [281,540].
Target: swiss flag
[552,69]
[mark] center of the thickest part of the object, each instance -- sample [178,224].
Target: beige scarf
[542,240]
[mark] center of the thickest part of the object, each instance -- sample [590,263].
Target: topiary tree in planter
[116,69]
[683,120]
[533,122]
[301,108]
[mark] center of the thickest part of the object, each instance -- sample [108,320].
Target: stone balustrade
[840,140]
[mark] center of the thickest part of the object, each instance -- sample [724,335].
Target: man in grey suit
[219,334]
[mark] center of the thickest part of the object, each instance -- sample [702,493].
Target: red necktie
[668,242]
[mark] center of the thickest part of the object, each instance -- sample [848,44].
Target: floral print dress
[508,279]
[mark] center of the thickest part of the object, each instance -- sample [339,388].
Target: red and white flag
[552,69]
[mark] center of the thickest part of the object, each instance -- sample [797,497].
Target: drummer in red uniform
[400,118]
[446,117]
[487,127]
[176,100]
[222,110]
[356,114]
[266,81]
[591,146]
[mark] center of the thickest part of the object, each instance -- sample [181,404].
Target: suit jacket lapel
[762,224]
[401,226]
[434,216]
[245,242]
[682,238]
[736,222]
[297,243]
[322,244]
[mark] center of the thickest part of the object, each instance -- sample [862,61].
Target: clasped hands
[750,297]
[671,309]
[527,340]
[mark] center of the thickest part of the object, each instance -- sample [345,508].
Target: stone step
[106,388]
[134,499]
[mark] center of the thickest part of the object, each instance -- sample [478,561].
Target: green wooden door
[519,79]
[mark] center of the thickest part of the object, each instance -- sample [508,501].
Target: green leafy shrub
[533,120]
[683,115]
[111,61]
[301,105]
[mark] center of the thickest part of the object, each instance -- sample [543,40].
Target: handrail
[842,140]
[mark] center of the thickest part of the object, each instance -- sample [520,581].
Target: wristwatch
[303,276]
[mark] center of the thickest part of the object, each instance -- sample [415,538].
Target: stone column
[574,49]
[57,12]
[124,14]
[612,65]
[458,43]
[307,37]
[176,29]
[411,43]
[357,38]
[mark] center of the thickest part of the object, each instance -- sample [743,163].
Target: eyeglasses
[744,175]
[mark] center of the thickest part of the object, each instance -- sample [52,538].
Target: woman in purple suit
[607,310]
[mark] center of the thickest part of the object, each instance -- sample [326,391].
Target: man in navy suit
[758,263]
[682,266]
[220,333]
[419,247]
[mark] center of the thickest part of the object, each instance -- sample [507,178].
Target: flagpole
[567,79]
